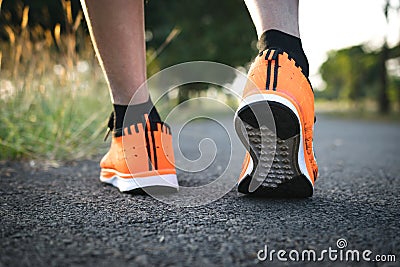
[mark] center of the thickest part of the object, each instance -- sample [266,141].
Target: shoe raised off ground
[280,160]
[141,156]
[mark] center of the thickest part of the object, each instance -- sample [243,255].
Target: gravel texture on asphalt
[65,217]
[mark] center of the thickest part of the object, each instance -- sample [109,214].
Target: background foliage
[53,97]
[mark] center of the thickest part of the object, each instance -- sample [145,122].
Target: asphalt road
[65,217]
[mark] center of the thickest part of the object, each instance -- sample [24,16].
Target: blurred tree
[209,30]
[383,98]
[350,74]
[385,54]
[353,74]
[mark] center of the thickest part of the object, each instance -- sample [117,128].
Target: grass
[52,121]
[53,100]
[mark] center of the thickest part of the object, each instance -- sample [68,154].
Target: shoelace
[110,126]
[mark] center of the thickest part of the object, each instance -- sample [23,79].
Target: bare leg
[117,31]
[277,25]
[281,15]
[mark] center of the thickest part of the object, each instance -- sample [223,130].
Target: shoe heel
[276,171]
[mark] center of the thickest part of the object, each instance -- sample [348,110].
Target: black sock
[289,43]
[135,114]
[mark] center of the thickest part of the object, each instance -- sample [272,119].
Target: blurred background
[53,97]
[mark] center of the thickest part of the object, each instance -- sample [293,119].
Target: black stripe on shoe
[154,149]
[146,135]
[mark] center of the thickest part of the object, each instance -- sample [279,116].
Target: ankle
[288,43]
[131,114]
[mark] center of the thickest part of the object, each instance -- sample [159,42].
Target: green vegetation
[355,75]
[222,34]
[359,76]
[53,101]
[53,98]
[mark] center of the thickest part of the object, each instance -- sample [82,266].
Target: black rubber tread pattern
[283,179]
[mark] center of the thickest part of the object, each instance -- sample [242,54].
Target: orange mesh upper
[286,80]
[140,152]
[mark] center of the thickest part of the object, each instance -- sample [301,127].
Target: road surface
[65,217]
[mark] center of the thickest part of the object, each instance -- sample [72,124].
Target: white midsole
[127,184]
[276,98]
[249,169]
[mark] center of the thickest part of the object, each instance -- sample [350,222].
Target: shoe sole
[162,182]
[282,172]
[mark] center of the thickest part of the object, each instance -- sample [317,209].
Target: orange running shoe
[280,161]
[140,156]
